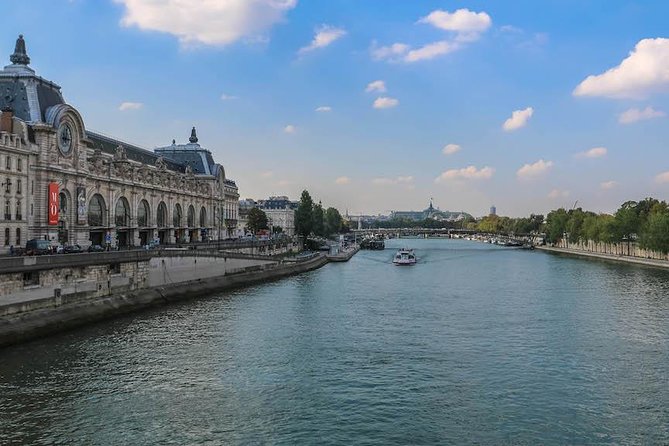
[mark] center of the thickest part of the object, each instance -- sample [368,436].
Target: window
[176,216]
[19,165]
[203,217]
[8,210]
[18,236]
[8,186]
[122,212]
[96,210]
[19,187]
[19,214]
[31,210]
[8,165]
[191,216]
[161,217]
[6,236]
[32,188]
[62,203]
[143,214]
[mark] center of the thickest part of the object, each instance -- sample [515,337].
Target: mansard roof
[134,153]
[191,154]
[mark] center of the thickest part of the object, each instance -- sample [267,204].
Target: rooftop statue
[20,57]
[193,136]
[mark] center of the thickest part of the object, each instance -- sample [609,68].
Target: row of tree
[645,222]
[312,219]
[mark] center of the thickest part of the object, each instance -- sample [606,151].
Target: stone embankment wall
[631,249]
[71,296]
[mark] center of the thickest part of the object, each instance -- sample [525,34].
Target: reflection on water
[475,344]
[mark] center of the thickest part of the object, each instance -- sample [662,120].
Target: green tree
[257,220]
[556,225]
[318,220]
[303,215]
[655,235]
[333,221]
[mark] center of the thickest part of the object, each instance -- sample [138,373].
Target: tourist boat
[405,257]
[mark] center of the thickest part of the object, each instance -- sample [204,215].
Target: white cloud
[534,170]
[644,71]
[450,149]
[431,50]
[325,35]
[518,119]
[662,177]
[289,129]
[392,53]
[385,102]
[208,22]
[467,24]
[595,152]
[130,106]
[634,115]
[376,86]
[324,109]
[267,174]
[466,173]
[608,185]
[398,180]
[557,193]
[343,180]
[227,97]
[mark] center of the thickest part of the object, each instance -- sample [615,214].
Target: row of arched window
[17,239]
[122,214]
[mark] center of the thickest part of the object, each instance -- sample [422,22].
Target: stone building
[69,185]
[280,212]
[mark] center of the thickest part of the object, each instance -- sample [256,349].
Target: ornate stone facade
[109,192]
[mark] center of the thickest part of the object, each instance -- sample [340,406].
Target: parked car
[95,248]
[37,247]
[73,249]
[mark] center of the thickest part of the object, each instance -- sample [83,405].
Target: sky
[378,105]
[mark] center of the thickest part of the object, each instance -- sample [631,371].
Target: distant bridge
[409,232]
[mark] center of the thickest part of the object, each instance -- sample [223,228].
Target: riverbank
[609,257]
[26,320]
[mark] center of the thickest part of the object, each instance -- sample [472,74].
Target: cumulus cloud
[644,71]
[466,173]
[468,25]
[391,53]
[608,185]
[376,86]
[431,50]
[662,178]
[289,129]
[464,25]
[398,180]
[325,35]
[385,102]
[518,119]
[557,193]
[343,180]
[450,149]
[125,106]
[324,109]
[595,152]
[534,170]
[635,115]
[211,22]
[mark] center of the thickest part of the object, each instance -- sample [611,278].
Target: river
[475,344]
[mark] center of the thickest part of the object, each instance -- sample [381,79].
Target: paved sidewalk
[612,257]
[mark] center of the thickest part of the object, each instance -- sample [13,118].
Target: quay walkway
[610,257]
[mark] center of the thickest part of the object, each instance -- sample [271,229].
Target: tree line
[312,219]
[645,222]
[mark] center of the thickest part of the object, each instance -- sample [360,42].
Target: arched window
[62,203]
[122,212]
[18,236]
[176,216]
[191,216]
[6,236]
[203,217]
[96,211]
[143,214]
[161,216]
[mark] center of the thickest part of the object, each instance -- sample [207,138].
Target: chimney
[6,120]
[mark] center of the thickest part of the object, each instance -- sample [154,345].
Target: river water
[474,345]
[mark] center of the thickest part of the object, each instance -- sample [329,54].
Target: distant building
[280,211]
[430,213]
[493,210]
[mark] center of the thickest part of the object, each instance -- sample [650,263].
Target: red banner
[53,203]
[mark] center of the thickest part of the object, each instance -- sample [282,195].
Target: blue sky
[250,74]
